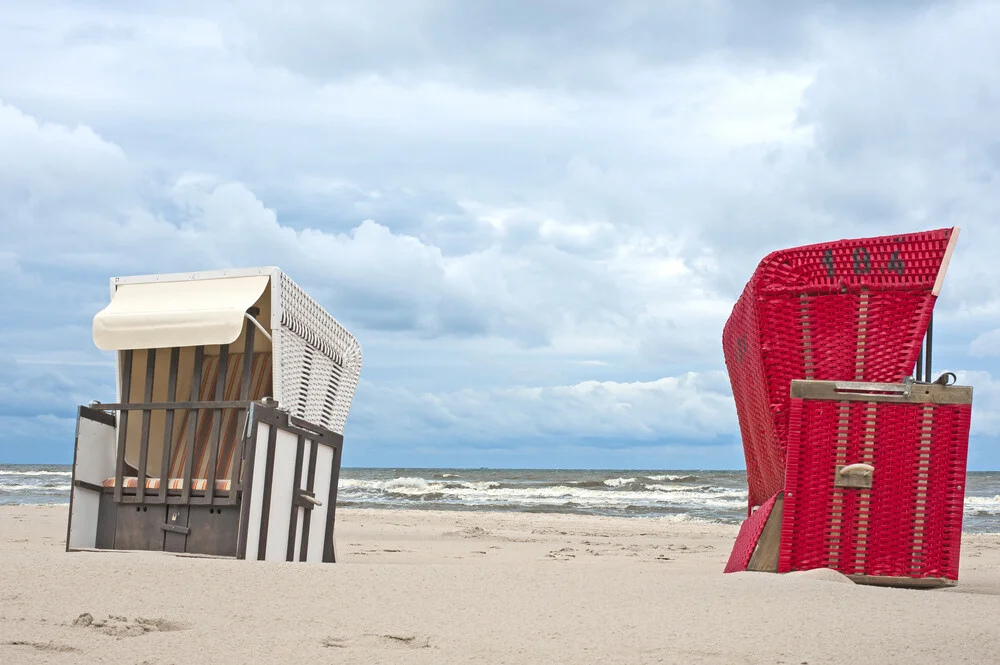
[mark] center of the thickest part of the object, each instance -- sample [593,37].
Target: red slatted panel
[909,524]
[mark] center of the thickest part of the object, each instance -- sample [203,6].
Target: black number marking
[862,261]
[828,262]
[896,264]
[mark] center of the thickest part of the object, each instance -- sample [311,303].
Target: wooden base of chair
[281,506]
[191,529]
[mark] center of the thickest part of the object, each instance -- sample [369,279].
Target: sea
[671,495]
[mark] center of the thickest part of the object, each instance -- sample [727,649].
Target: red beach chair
[849,311]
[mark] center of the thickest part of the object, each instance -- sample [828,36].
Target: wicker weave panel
[846,310]
[909,523]
[320,361]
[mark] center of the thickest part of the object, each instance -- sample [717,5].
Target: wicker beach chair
[233,391]
[845,452]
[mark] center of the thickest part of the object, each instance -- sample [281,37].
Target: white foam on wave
[983,504]
[35,488]
[618,482]
[670,478]
[492,493]
[36,473]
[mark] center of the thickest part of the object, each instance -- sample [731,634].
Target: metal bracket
[306,499]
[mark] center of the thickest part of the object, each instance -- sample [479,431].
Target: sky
[535,216]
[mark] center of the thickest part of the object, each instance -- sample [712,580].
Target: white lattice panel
[320,360]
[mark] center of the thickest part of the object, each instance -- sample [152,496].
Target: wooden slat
[238,447]
[272,440]
[310,487]
[296,484]
[246,485]
[199,357]
[853,391]
[329,552]
[939,281]
[168,423]
[164,406]
[220,393]
[147,396]
[765,554]
[126,386]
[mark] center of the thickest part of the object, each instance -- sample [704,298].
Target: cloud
[589,44]
[530,215]
[670,409]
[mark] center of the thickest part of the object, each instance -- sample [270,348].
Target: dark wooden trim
[295,421]
[930,340]
[246,482]
[272,441]
[72,493]
[147,396]
[99,416]
[247,361]
[213,444]
[175,406]
[168,424]
[293,522]
[903,582]
[310,486]
[331,510]
[83,484]
[848,391]
[126,386]
[199,357]
[237,456]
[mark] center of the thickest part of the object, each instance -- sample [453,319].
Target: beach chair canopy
[165,314]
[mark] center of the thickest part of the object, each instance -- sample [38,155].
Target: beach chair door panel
[292,473]
[94,460]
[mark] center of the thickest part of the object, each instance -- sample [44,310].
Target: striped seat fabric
[260,386]
[197,484]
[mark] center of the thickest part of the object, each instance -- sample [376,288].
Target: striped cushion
[197,484]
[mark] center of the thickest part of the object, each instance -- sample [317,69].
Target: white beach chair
[226,438]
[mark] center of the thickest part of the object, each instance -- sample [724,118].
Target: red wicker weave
[846,310]
[908,525]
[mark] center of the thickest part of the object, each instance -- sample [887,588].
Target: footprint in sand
[119,626]
[42,646]
[398,641]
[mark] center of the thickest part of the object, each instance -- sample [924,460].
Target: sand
[450,587]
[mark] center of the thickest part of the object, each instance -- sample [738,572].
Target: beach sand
[454,587]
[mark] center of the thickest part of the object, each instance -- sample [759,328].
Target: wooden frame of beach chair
[855,311]
[226,439]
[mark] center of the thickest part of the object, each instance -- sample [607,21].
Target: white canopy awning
[183,313]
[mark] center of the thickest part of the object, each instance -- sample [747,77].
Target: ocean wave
[35,488]
[670,478]
[982,505]
[618,482]
[493,492]
[36,473]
